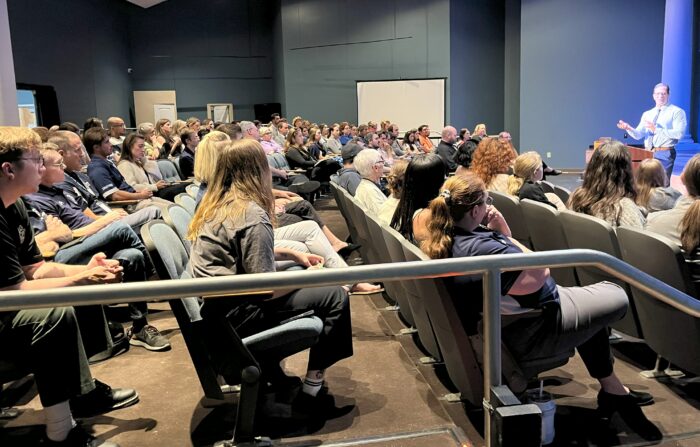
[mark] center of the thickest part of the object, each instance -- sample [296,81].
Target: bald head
[116,126]
[449,134]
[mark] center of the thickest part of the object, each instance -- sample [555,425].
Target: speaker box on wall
[263,112]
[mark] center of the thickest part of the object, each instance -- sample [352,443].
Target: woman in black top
[298,156]
[524,182]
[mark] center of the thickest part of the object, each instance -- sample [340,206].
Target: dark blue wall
[330,44]
[78,47]
[224,56]
[477,45]
[584,66]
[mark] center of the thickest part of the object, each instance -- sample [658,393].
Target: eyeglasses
[37,160]
[60,164]
[488,201]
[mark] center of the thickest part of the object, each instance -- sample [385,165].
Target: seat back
[562,193]
[457,352]
[671,333]
[547,233]
[179,219]
[369,255]
[341,200]
[546,186]
[187,202]
[278,160]
[170,260]
[509,206]
[394,289]
[168,170]
[583,231]
[192,190]
[426,334]
[176,162]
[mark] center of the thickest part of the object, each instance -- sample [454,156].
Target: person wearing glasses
[661,127]
[47,341]
[117,130]
[550,319]
[370,166]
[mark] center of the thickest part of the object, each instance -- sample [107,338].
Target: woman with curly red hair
[492,160]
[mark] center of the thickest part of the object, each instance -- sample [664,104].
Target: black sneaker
[102,399]
[78,437]
[150,338]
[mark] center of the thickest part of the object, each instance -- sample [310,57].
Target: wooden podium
[637,154]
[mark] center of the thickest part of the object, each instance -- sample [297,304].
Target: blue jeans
[117,241]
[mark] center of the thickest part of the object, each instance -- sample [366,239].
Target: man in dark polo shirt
[47,340]
[446,150]
[104,175]
[79,192]
[107,235]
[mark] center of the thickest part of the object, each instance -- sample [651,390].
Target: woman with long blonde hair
[232,234]
[465,224]
[652,194]
[524,182]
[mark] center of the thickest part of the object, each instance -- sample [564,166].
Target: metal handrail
[489,266]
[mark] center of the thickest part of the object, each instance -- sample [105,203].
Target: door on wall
[166,111]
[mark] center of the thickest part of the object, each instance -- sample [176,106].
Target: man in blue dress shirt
[661,127]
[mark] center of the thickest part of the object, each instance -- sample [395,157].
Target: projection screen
[406,102]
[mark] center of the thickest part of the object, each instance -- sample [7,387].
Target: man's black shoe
[78,437]
[102,399]
[348,249]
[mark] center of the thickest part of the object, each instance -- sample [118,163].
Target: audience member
[194,124]
[299,158]
[608,188]
[410,143]
[424,138]
[117,130]
[682,222]
[115,239]
[142,173]
[333,144]
[446,150]
[47,341]
[395,185]
[164,137]
[491,162]
[552,319]
[524,183]
[425,174]
[652,194]
[238,212]
[348,177]
[92,122]
[190,140]
[370,166]
[480,131]
[147,131]
[463,156]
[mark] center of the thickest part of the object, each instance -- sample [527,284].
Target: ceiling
[145,3]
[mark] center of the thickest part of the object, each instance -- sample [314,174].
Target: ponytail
[514,185]
[438,244]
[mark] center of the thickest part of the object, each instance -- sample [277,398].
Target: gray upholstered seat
[671,333]
[509,206]
[546,233]
[179,219]
[583,231]
[187,202]
[168,170]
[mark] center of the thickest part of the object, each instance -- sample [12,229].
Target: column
[676,70]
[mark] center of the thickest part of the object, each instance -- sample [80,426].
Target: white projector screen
[407,102]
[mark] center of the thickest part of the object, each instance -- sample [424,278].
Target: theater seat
[671,333]
[211,340]
[168,170]
[509,206]
[179,220]
[187,202]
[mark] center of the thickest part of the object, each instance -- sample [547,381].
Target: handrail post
[492,343]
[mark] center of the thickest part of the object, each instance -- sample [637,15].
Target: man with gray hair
[446,150]
[370,166]
[661,127]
